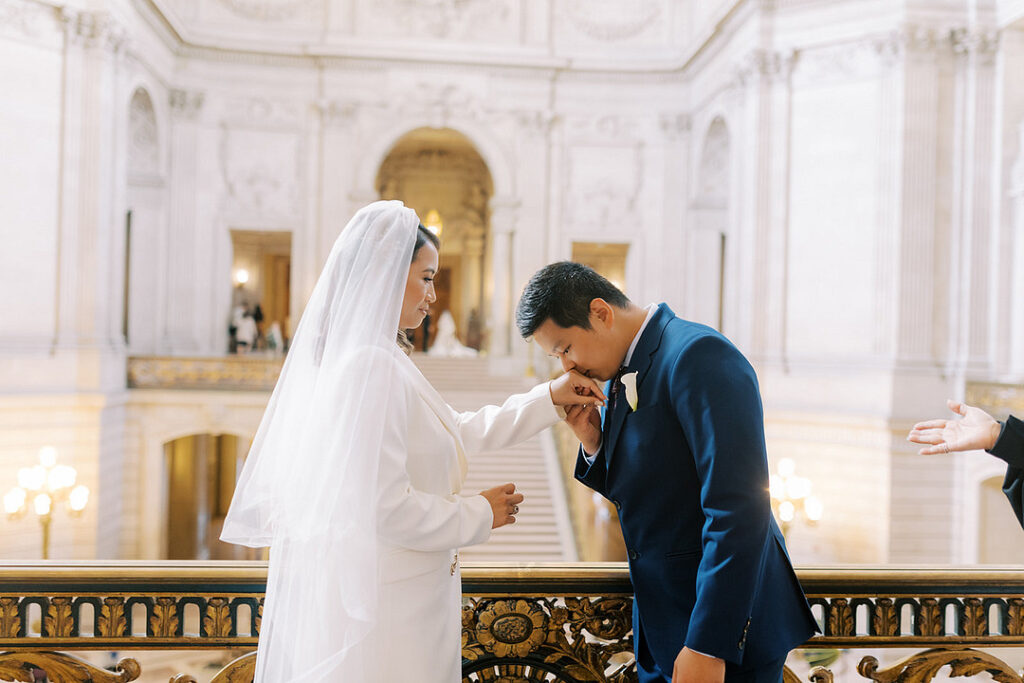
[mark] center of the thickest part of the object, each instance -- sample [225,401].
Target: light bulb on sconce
[433,223]
[241,276]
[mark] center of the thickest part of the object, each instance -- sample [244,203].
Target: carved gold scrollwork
[10,622]
[241,670]
[929,618]
[884,620]
[820,674]
[974,622]
[18,666]
[59,622]
[499,637]
[1015,617]
[788,676]
[840,618]
[511,627]
[217,621]
[164,622]
[923,666]
[112,622]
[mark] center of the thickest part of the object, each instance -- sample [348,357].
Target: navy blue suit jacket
[688,473]
[1010,447]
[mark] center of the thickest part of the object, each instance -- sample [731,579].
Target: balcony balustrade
[547,622]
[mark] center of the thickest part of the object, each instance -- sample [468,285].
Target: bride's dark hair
[423,236]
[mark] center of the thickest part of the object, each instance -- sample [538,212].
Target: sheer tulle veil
[308,488]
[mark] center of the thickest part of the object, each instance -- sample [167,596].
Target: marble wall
[838,184]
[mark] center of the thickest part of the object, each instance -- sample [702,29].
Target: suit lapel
[640,363]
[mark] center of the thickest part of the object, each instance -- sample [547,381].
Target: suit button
[617,504]
[633,554]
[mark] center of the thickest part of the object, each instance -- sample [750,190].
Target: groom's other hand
[693,667]
[504,504]
[585,421]
[573,388]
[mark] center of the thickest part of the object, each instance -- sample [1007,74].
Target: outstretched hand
[573,389]
[976,431]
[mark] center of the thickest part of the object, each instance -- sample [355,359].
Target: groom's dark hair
[562,292]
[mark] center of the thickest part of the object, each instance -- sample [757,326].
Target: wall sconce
[241,276]
[433,222]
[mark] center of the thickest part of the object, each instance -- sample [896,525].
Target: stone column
[503,231]
[1016,361]
[762,216]
[180,334]
[972,191]
[90,240]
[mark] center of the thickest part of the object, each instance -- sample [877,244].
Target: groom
[680,452]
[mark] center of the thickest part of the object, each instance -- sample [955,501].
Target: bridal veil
[309,485]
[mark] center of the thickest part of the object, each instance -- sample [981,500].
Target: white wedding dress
[424,517]
[354,480]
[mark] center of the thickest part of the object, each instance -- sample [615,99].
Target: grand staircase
[542,532]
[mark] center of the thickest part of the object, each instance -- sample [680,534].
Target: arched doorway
[201,472]
[706,282]
[439,173]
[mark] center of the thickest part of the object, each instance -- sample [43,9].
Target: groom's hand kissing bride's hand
[573,388]
[585,421]
[504,504]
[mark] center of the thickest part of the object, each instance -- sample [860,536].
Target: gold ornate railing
[223,373]
[520,623]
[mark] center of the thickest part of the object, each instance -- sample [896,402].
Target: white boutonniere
[629,382]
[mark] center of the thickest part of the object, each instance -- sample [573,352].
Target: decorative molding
[26,19]
[222,374]
[262,112]
[974,42]
[447,19]
[439,104]
[611,20]
[335,114]
[536,123]
[185,104]
[262,172]
[603,185]
[266,10]
[93,30]
[675,125]
[761,65]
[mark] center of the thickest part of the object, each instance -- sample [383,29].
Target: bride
[354,477]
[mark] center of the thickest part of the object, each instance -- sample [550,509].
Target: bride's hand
[574,389]
[504,504]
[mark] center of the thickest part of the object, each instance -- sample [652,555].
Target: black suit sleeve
[1010,447]
[593,475]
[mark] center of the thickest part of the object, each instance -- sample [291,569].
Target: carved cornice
[675,125]
[610,20]
[27,19]
[761,65]
[536,123]
[185,104]
[335,114]
[981,43]
[266,10]
[93,30]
